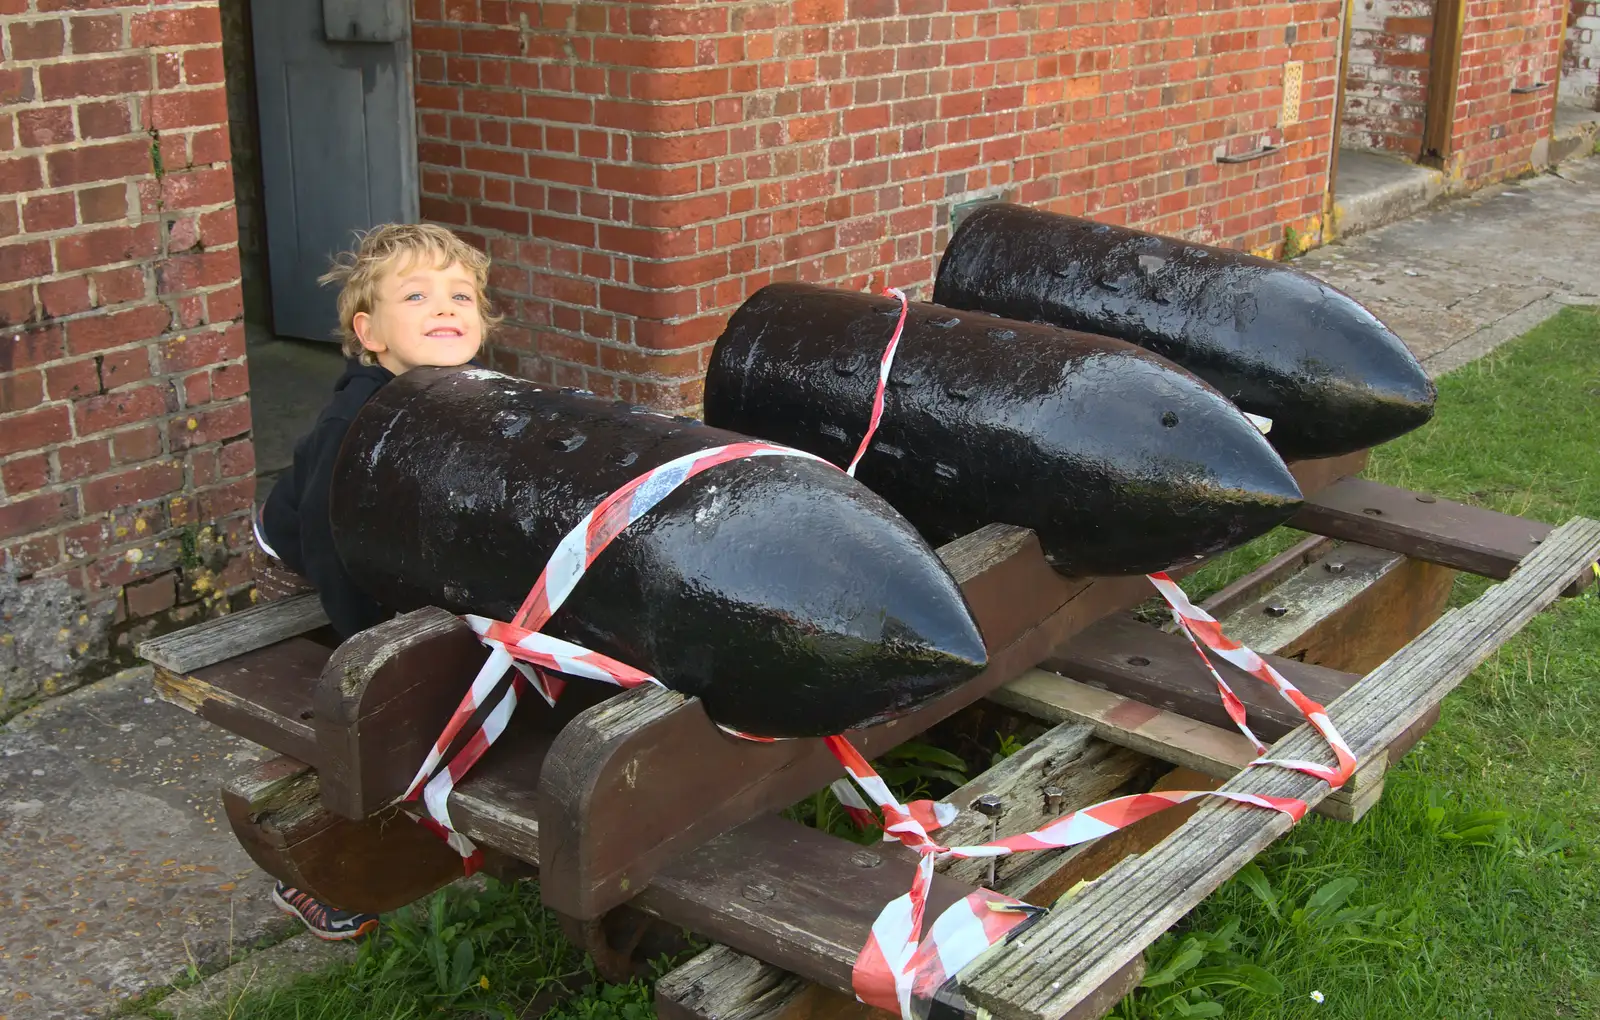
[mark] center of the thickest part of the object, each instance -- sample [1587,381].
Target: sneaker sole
[326,936]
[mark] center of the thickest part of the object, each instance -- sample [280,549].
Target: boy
[412,296]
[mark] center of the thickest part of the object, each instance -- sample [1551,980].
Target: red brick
[196,390]
[136,444]
[103,204]
[34,555]
[107,246]
[35,430]
[81,460]
[33,346]
[224,305]
[172,110]
[147,598]
[59,298]
[136,485]
[96,33]
[25,474]
[20,174]
[16,305]
[109,76]
[16,85]
[90,163]
[226,499]
[203,468]
[178,28]
[124,407]
[10,221]
[43,213]
[21,390]
[36,40]
[196,349]
[121,368]
[210,145]
[24,261]
[116,329]
[238,459]
[107,120]
[203,67]
[229,381]
[122,285]
[36,513]
[204,427]
[204,269]
[51,125]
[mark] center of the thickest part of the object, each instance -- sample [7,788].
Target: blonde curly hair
[394,247]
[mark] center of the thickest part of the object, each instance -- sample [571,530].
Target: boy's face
[423,317]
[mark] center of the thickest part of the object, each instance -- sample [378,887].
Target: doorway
[323,130]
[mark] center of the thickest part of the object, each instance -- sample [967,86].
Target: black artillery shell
[1275,341]
[785,595]
[1120,461]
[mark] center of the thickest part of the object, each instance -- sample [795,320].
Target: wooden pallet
[635,806]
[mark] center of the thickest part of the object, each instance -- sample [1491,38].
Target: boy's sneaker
[326,922]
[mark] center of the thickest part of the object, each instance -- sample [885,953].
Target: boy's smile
[423,316]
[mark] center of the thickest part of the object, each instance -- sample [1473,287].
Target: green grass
[1471,890]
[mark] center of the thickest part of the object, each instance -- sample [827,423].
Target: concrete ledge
[258,972]
[1374,189]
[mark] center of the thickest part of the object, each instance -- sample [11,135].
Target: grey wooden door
[338,141]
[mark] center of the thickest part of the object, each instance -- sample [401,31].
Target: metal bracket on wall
[1522,90]
[960,210]
[1253,154]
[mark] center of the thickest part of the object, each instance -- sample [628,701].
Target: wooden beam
[225,637]
[264,695]
[1421,526]
[1067,956]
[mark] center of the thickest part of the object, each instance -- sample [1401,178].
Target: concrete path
[1471,274]
[117,871]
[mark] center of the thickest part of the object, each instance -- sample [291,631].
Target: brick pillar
[125,457]
[1386,85]
[1505,44]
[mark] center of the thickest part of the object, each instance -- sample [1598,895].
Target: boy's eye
[464,297]
[415,295]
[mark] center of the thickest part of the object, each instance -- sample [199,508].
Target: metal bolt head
[1276,610]
[1426,499]
[1333,568]
[1054,798]
[759,891]
[865,859]
[988,805]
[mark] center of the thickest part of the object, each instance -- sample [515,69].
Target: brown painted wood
[1444,76]
[1424,527]
[650,763]
[375,865]
[1136,660]
[264,695]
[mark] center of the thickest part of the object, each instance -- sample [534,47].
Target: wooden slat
[1270,574]
[1139,661]
[1438,530]
[263,695]
[1070,953]
[214,641]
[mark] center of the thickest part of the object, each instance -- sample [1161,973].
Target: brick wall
[124,453]
[1386,84]
[637,170]
[1505,44]
[1580,56]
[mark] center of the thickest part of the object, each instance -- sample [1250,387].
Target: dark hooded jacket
[295,521]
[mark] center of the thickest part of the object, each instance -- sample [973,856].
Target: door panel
[338,151]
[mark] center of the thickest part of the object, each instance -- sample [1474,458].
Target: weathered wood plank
[1070,953]
[214,641]
[725,984]
[1269,575]
[263,695]
[1128,657]
[1425,527]
[1350,611]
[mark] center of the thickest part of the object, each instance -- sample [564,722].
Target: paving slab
[1470,274]
[118,871]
